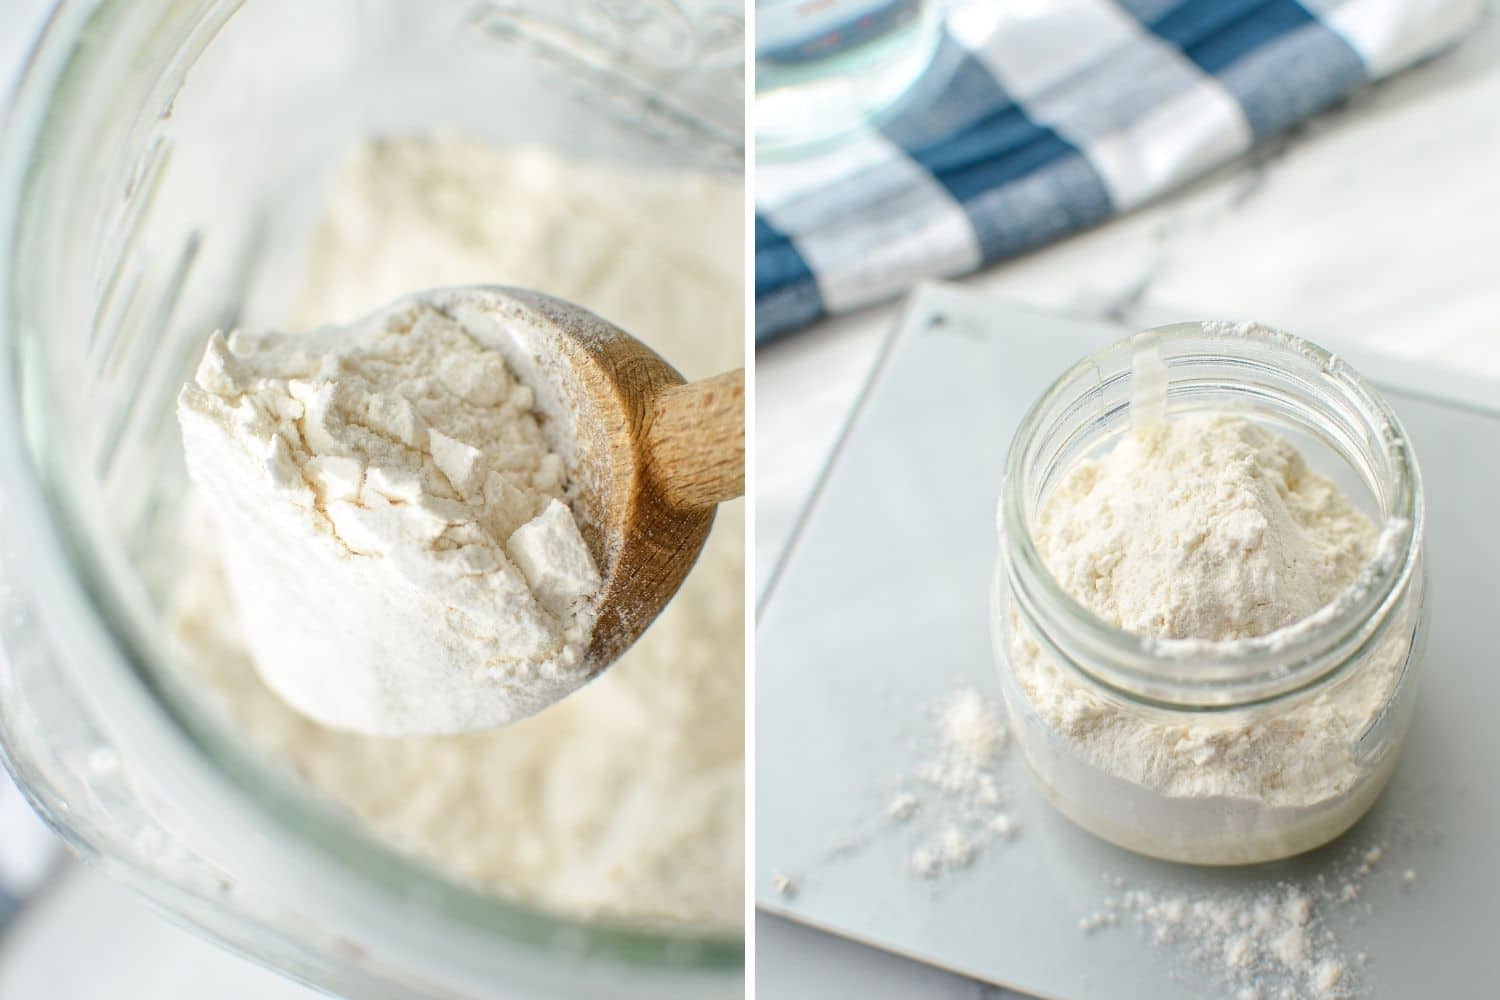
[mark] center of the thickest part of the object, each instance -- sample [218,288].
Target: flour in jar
[1207,527]
[626,799]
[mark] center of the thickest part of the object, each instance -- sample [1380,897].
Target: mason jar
[161,165]
[1231,752]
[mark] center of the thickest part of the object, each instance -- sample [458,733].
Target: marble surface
[1377,224]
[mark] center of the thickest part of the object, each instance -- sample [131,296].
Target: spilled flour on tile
[953,800]
[950,808]
[1273,942]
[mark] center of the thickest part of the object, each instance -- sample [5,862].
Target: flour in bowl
[626,799]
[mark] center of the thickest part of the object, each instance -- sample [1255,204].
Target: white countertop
[1376,225]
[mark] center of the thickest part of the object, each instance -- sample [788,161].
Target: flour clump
[393,523]
[1204,527]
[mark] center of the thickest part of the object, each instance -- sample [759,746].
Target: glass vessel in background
[1189,690]
[161,165]
[825,67]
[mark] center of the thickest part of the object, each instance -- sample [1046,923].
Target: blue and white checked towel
[1041,117]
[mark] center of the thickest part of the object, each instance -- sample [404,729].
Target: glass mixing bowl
[161,163]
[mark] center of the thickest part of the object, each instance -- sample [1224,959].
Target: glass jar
[823,70]
[1229,752]
[161,165]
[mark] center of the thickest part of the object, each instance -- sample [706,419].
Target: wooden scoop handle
[696,441]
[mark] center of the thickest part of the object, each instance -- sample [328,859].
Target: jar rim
[1228,674]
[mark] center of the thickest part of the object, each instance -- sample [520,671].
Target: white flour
[626,799]
[1273,942]
[954,797]
[951,807]
[1208,528]
[1202,528]
[391,520]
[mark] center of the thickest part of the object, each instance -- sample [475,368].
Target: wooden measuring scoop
[348,617]
[651,454]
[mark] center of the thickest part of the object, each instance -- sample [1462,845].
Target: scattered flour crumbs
[1272,943]
[954,796]
[951,804]
[1275,942]
[626,799]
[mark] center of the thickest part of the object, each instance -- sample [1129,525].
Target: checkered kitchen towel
[1042,117]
